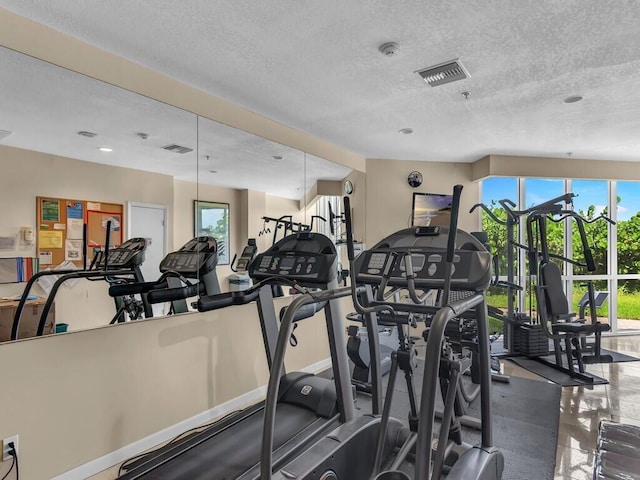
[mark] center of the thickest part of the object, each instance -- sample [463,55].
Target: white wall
[389,196]
[75,397]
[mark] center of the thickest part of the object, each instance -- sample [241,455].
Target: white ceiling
[314,65]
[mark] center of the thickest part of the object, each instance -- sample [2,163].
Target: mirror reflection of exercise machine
[185,273]
[240,279]
[111,265]
[196,260]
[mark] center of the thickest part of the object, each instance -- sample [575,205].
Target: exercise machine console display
[425,252]
[307,258]
[199,255]
[246,256]
[130,254]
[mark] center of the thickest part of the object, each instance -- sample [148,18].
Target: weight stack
[530,340]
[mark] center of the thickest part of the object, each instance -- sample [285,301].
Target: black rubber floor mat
[526,415]
[498,350]
[553,375]
[619,357]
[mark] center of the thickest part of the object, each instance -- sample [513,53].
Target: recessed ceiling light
[406,131]
[213,171]
[84,133]
[277,157]
[105,149]
[573,99]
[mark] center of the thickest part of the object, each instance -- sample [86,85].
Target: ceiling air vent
[446,72]
[178,149]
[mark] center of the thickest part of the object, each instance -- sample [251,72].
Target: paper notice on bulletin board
[74,210]
[50,211]
[50,239]
[74,228]
[45,258]
[73,250]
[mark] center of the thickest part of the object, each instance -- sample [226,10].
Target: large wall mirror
[54,127]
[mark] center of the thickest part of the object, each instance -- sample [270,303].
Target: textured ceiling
[314,65]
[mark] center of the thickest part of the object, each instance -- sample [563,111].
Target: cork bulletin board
[60,225]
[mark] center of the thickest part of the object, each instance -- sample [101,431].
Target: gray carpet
[526,414]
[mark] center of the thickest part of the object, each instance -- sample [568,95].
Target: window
[493,190]
[590,203]
[614,246]
[212,219]
[628,254]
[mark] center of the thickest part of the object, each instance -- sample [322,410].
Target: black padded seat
[554,308]
[580,328]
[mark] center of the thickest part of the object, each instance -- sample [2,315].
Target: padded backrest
[555,298]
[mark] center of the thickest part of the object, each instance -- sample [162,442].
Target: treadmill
[120,262]
[309,406]
[196,260]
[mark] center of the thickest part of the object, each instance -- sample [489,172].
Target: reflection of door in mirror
[150,222]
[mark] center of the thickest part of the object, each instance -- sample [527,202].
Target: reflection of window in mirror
[212,219]
[330,208]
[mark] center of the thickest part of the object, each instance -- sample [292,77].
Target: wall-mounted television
[431,209]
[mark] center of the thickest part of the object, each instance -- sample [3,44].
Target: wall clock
[415,179]
[348,187]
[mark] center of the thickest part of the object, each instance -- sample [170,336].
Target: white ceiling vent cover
[445,72]
[178,148]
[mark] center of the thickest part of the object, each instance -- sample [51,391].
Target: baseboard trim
[109,460]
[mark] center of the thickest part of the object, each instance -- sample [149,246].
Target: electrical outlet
[6,449]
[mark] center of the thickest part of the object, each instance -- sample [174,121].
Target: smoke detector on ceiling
[4,134]
[178,149]
[389,49]
[445,72]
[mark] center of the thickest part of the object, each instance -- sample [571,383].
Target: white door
[150,222]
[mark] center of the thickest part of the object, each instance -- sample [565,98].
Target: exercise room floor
[581,409]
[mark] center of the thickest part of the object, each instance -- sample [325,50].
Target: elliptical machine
[413,259]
